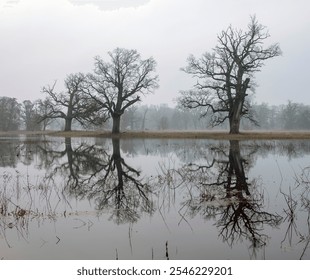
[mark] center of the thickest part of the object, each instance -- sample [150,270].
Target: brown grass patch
[207,134]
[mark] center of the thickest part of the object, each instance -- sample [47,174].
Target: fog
[43,41]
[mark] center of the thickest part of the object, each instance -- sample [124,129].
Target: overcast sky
[45,40]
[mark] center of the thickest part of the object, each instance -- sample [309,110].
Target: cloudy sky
[45,40]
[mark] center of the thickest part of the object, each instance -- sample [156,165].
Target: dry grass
[207,134]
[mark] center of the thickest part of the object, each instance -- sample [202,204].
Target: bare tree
[73,104]
[225,75]
[119,84]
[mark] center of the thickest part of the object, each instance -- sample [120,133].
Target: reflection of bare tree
[92,172]
[83,163]
[219,189]
[121,188]
[75,164]
[245,217]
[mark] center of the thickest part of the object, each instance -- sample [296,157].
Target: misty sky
[45,40]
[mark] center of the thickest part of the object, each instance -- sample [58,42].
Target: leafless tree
[73,104]
[119,84]
[225,75]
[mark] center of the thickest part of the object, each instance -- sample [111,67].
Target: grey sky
[110,4]
[44,40]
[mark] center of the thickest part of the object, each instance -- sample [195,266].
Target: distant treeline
[27,115]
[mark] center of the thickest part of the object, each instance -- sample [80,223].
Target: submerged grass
[173,134]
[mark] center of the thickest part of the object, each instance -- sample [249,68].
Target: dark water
[92,198]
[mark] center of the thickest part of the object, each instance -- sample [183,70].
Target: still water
[96,198]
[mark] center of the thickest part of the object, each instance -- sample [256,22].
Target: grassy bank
[208,134]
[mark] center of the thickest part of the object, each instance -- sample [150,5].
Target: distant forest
[27,115]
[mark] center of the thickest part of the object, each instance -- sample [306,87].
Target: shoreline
[169,134]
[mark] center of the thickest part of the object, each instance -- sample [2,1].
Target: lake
[98,198]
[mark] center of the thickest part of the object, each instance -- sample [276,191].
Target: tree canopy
[225,74]
[73,103]
[118,84]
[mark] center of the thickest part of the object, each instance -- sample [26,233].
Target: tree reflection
[121,187]
[218,189]
[14,150]
[205,180]
[74,165]
[92,172]
[8,153]
[244,217]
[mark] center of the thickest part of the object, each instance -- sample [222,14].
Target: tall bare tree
[73,103]
[225,75]
[119,84]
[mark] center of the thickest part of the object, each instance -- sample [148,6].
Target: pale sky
[45,40]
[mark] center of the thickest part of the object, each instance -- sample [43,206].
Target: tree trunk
[117,159]
[69,152]
[116,148]
[234,120]
[116,123]
[68,124]
[236,162]
[144,118]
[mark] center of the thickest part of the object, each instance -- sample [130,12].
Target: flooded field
[98,198]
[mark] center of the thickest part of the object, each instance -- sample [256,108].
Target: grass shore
[207,134]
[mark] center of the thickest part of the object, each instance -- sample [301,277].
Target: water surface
[96,198]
